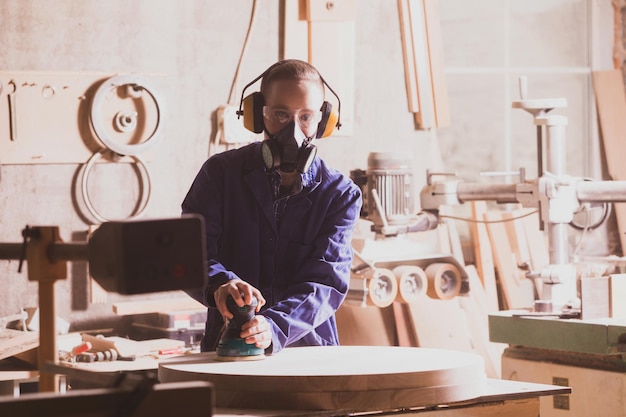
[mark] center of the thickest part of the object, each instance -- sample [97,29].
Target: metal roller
[382,288]
[412,283]
[444,281]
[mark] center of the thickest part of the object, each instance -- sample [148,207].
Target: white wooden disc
[336,377]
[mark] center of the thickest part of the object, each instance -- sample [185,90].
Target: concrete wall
[193,46]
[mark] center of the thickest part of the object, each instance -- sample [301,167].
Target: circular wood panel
[336,377]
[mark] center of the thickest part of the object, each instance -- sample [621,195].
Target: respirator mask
[289,149]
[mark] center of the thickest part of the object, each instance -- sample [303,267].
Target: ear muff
[251,108]
[329,120]
[253,112]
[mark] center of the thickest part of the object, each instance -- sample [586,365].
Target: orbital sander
[231,346]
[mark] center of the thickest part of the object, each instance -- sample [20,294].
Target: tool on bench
[231,346]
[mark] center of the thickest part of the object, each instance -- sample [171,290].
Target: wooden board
[476,311]
[336,377]
[365,326]
[13,342]
[440,324]
[484,254]
[155,306]
[517,291]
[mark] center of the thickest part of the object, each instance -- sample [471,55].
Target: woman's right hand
[241,292]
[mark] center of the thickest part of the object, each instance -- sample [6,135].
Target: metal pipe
[555,146]
[55,252]
[601,191]
[11,250]
[557,238]
[74,251]
[502,193]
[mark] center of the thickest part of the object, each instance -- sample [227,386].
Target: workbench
[358,380]
[476,397]
[586,355]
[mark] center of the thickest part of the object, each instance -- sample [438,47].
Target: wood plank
[404,330]
[483,254]
[454,241]
[156,305]
[611,104]
[365,326]
[617,296]
[476,310]
[527,242]
[13,342]
[425,118]
[331,46]
[435,53]
[517,235]
[440,324]
[295,34]
[518,293]
[410,78]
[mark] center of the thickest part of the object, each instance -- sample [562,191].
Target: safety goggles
[305,117]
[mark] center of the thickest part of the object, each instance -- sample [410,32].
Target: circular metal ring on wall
[145,186]
[97,123]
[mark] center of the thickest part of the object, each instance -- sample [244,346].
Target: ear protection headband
[251,108]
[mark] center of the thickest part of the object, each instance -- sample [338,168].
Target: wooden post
[46,273]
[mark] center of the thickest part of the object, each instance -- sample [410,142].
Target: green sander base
[238,350]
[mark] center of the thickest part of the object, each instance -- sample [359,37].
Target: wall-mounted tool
[231,347]
[121,114]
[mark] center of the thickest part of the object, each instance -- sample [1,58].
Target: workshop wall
[190,49]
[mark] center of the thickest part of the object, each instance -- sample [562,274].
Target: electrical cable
[231,95]
[465,219]
[233,86]
[606,211]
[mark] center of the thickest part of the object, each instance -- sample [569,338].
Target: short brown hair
[291,69]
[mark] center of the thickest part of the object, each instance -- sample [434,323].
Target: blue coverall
[302,268]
